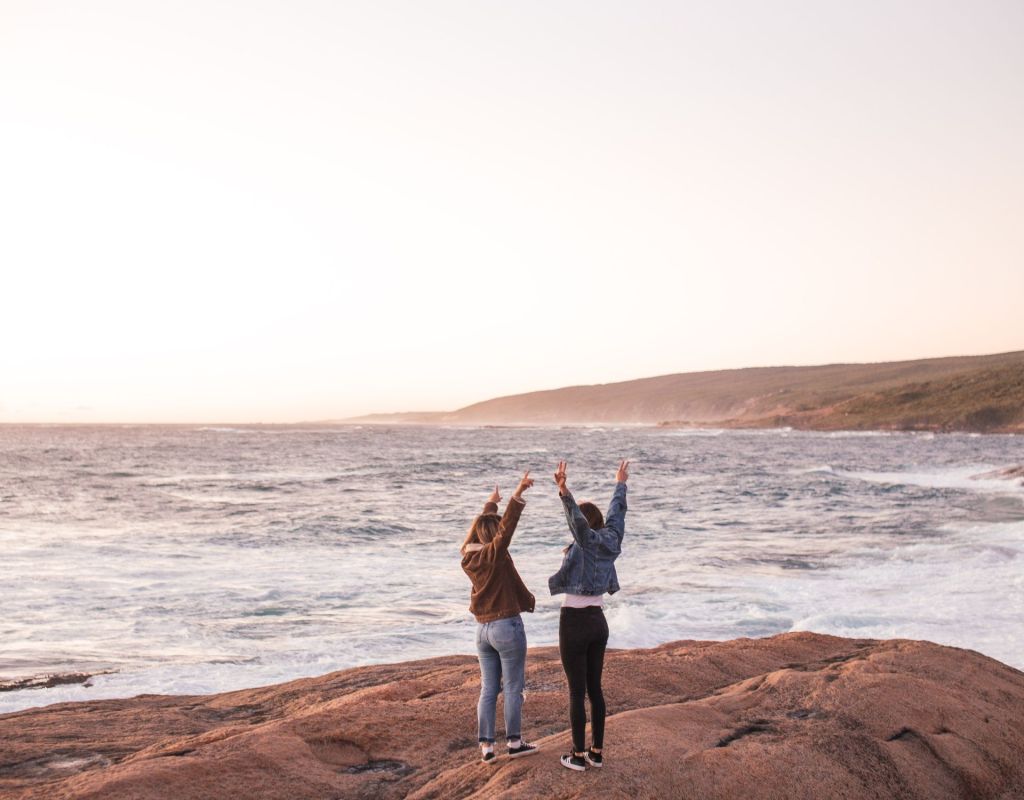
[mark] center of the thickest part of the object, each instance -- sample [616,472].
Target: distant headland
[982,394]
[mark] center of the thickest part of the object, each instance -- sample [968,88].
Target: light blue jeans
[501,647]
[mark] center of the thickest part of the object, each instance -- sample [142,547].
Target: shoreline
[786,425]
[727,426]
[853,717]
[731,425]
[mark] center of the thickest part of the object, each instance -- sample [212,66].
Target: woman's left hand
[495,496]
[560,477]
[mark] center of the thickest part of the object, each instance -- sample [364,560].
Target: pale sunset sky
[283,211]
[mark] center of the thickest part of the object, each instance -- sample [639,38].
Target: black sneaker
[573,761]
[524,749]
[488,757]
[594,759]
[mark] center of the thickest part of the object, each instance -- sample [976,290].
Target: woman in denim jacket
[587,572]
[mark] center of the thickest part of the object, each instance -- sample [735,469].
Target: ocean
[188,559]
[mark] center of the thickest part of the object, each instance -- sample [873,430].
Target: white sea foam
[965,590]
[783,431]
[859,434]
[959,477]
[822,468]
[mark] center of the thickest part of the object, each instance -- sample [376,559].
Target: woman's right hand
[560,477]
[524,483]
[622,474]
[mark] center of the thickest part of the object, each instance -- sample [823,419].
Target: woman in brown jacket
[497,600]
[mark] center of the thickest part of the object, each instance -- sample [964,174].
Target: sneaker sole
[573,767]
[524,753]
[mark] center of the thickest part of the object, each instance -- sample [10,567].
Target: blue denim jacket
[588,566]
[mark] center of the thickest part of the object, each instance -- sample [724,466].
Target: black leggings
[582,638]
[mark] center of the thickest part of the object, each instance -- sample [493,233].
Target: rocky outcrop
[799,715]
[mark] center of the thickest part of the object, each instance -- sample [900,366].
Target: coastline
[965,394]
[798,714]
[780,424]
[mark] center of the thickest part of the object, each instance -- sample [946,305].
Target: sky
[281,211]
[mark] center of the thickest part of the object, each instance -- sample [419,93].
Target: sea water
[182,559]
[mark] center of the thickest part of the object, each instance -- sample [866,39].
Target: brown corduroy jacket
[498,591]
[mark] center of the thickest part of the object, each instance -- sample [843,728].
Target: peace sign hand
[560,477]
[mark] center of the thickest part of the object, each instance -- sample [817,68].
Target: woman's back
[588,565]
[498,590]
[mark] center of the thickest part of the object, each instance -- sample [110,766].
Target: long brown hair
[483,529]
[595,519]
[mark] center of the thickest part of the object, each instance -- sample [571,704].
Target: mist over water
[204,559]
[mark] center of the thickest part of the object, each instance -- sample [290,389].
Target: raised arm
[577,522]
[509,520]
[616,518]
[491,506]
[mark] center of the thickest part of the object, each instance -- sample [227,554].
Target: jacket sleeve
[490,508]
[610,536]
[616,518]
[507,526]
[577,522]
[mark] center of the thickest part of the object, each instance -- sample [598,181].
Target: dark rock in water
[798,715]
[1006,474]
[49,681]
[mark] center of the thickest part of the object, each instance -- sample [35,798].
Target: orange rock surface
[798,715]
